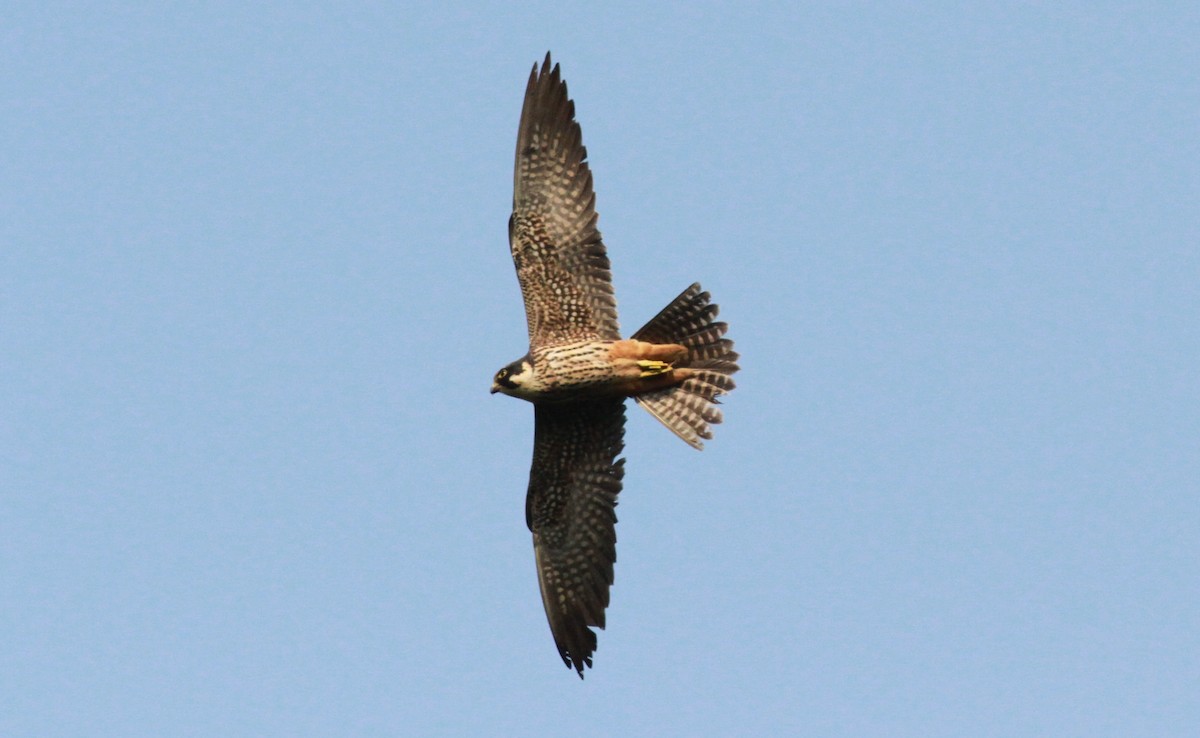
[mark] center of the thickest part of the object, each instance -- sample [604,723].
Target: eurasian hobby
[579,370]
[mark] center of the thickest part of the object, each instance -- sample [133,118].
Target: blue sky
[254,283]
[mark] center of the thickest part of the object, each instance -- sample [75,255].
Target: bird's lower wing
[570,508]
[560,257]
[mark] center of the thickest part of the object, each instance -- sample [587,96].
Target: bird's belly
[576,370]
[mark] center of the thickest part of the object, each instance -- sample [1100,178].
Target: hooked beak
[495,389]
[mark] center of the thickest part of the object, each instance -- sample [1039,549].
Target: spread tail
[690,406]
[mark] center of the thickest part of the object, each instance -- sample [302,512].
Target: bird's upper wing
[561,263]
[573,488]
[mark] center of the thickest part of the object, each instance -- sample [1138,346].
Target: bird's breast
[574,369]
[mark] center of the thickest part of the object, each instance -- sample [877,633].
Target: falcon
[579,370]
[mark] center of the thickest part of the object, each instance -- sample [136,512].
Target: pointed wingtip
[576,664]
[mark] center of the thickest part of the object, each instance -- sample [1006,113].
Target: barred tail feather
[689,408]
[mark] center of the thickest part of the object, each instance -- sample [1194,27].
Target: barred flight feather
[688,409]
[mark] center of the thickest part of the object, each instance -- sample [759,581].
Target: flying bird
[579,370]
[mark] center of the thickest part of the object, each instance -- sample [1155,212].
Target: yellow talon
[651,368]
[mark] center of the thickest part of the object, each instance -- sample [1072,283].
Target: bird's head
[515,378]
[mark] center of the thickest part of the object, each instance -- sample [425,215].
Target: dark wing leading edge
[570,507]
[561,263]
